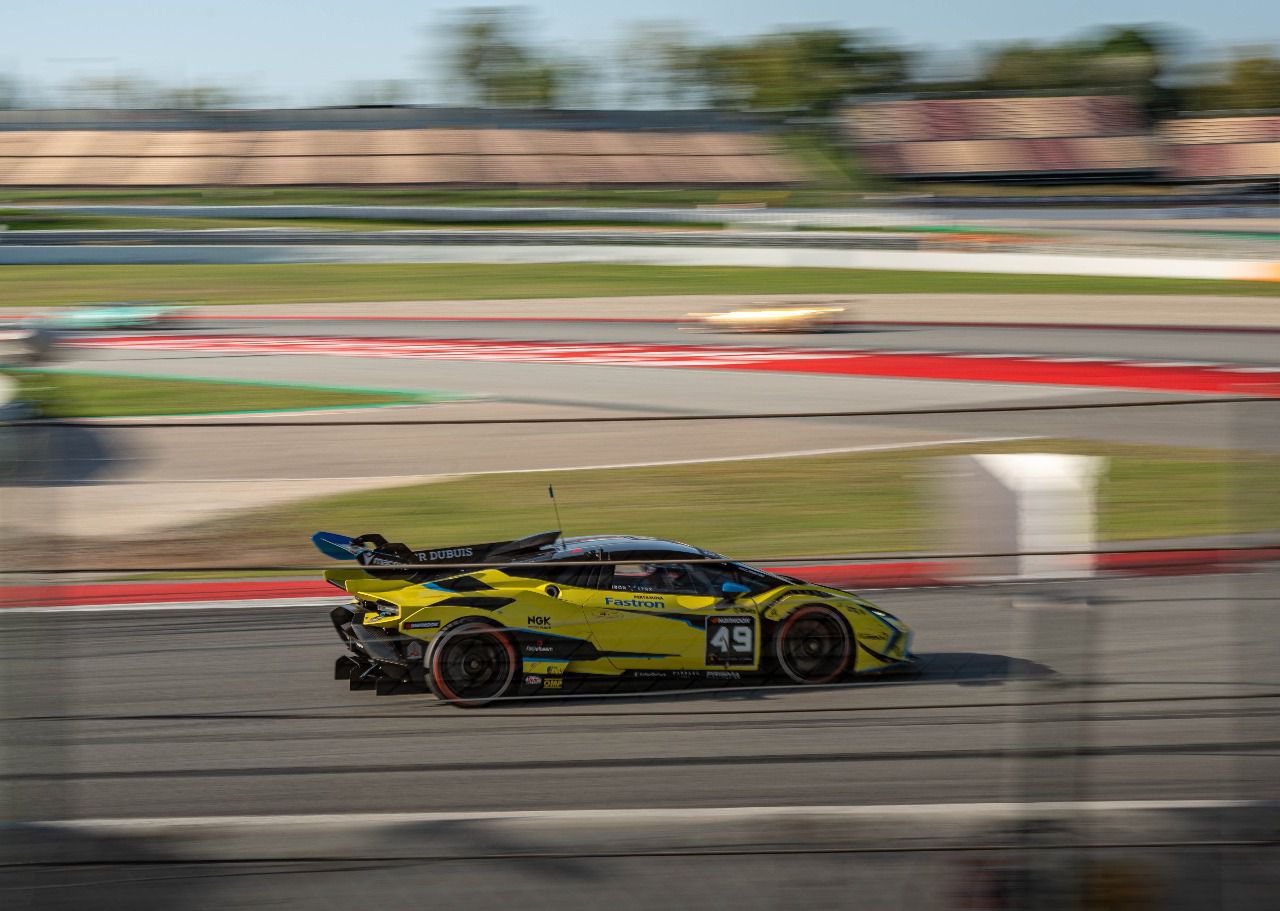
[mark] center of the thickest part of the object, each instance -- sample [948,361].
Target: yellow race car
[549,614]
[771,319]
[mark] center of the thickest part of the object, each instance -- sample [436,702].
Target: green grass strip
[281,283]
[800,506]
[94,395]
[17,220]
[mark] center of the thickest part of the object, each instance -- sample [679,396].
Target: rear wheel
[813,645]
[472,665]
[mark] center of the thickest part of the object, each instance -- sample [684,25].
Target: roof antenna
[551,492]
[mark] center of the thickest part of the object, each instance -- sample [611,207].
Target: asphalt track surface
[198,713]
[1226,347]
[1155,689]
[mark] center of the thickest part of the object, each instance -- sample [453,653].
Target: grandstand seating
[990,138]
[433,155]
[1203,148]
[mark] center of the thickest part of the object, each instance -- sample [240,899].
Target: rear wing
[383,559]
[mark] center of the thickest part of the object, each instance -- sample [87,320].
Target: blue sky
[302,52]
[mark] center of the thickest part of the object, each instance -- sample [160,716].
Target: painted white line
[796,453]
[293,602]
[255,604]
[267,603]
[648,814]
[449,476]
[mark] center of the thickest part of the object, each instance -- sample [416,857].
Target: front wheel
[813,645]
[472,665]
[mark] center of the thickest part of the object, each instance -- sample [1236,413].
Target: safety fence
[1075,735]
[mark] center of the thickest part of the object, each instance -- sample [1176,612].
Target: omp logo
[631,602]
[538,621]
[450,553]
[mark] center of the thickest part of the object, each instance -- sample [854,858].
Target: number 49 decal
[731,640]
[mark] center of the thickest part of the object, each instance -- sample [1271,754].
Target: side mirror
[731,590]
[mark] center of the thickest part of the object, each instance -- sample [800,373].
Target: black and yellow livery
[479,622]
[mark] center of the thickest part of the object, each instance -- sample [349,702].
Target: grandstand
[389,148]
[1059,138]
[1223,148]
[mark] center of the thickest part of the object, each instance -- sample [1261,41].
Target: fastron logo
[631,602]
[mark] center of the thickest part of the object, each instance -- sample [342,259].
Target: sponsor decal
[657,673]
[533,680]
[553,683]
[874,635]
[457,622]
[723,675]
[449,553]
[731,640]
[537,621]
[633,602]
[538,649]
[422,624]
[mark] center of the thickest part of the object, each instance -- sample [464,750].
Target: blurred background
[971,310]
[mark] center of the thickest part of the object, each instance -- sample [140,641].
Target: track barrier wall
[639,254]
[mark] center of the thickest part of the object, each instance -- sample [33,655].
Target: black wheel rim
[475,666]
[815,647]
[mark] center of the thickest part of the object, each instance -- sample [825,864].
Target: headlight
[386,608]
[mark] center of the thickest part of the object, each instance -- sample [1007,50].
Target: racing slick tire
[472,665]
[812,645]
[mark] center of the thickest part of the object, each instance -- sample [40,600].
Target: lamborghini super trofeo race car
[549,614]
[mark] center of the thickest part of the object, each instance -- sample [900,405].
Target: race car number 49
[731,640]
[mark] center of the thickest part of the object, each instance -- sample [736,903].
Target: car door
[669,616]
